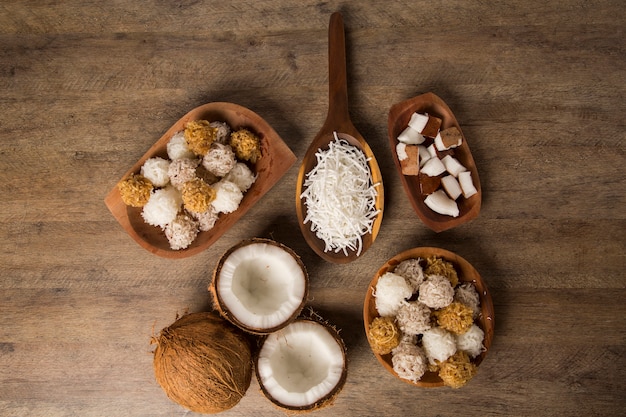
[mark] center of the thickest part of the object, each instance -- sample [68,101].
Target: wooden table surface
[86,87]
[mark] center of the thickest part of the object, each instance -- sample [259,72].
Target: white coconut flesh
[261,285]
[300,364]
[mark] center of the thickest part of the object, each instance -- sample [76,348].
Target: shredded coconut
[471,341]
[182,170]
[197,195]
[242,176]
[391,292]
[455,317]
[177,147]
[413,318]
[457,370]
[135,190]
[436,292]
[162,207]
[155,170]
[438,344]
[340,197]
[219,159]
[409,361]
[181,232]
[412,271]
[228,197]
[466,293]
[384,335]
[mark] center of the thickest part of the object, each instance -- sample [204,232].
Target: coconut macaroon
[206,220]
[242,176]
[182,170]
[181,232]
[412,271]
[436,292]
[135,190]
[455,317]
[466,293]
[439,266]
[383,335]
[162,207]
[177,147]
[219,160]
[391,291]
[259,285]
[227,197]
[197,195]
[413,318]
[247,145]
[438,344]
[199,136]
[471,341]
[457,370]
[302,366]
[409,361]
[222,132]
[155,170]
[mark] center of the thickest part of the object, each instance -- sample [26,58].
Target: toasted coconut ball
[391,292]
[199,136]
[197,195]
[155,170]
[412,271]
[228,196]
[437,266]
[409,361]
[455,317]
[242,176]
[436,292]
[471,341]
[177,147]
[162,207]
[135,190]
[181,232]
[438,344]
[222,133]
[466,293]
[246,144]
[219,160]
[384,335]
[206,220]
[182,170]
[413,318]
[457,370]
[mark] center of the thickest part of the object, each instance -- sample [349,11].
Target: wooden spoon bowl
[337,120]
[276,159]
[466,273]
[399,116]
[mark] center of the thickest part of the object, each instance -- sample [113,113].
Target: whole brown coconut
[203,363]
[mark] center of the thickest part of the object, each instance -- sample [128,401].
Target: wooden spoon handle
[337,76]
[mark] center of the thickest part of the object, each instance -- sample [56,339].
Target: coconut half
[203,363]
[303,366]
[259,285]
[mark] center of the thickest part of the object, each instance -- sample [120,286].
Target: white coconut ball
[227,198]
[156,170]
[391,292]
[162,207]
[438,344]
[242,176]
[177,147]
[471,341]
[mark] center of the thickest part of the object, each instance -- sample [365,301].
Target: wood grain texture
[87,87]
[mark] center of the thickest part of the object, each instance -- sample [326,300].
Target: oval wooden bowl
[276,159]
[338,120]
[399,116]
[466,273]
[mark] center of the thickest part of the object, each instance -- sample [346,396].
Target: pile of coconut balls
[207,173]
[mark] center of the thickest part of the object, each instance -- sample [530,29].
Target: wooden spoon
[399,116]
[337,120]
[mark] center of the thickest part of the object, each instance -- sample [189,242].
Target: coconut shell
[203,363]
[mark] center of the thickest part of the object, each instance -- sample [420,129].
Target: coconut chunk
[302,366]
[410,164]
[433,167]
[432,151]
[453,166]
[465,180]
[439,202]
[418,121]
[411,136]
[423,153]
[451,186]
[451,137]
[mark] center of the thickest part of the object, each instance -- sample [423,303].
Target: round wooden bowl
[399,116]
[276,159]
[466,273]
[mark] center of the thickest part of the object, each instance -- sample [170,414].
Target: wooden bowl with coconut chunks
[434,162]
[274,161]
[432,340]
